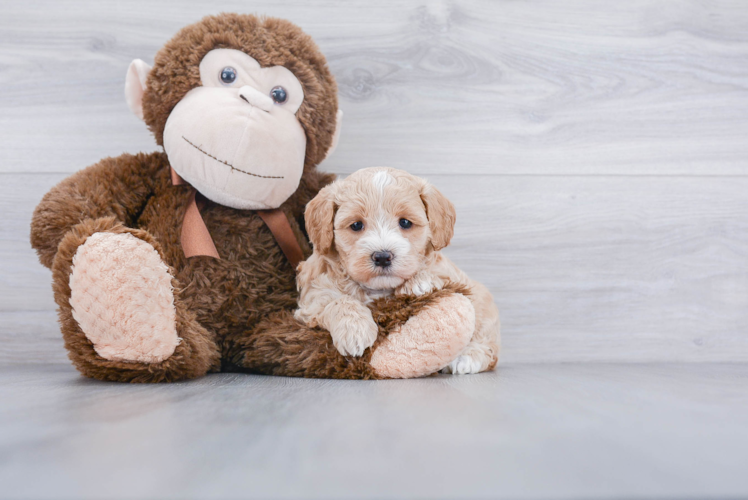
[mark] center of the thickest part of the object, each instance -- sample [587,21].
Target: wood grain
[484,87]
[524,432]
[582,268]
[31,338]
[597,153]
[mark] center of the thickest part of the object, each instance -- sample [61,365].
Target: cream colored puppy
[378,232]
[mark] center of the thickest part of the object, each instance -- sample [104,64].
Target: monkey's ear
[441,214]
[319,218]
[137,75]
[336,135]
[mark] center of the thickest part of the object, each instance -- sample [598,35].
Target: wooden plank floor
[524,432]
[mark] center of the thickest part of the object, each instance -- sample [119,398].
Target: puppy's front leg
[421,283]
[323,303]
[351,326]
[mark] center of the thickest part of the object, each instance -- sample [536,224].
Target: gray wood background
[597,152]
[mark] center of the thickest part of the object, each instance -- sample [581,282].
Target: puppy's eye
[357,226]
[405,224]
[279,95]
[228,75]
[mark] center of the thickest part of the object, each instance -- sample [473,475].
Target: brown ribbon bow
[196,239]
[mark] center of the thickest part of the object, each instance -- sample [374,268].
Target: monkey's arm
[417,336]
[115,187]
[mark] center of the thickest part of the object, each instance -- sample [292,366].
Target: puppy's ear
[441,214]
[319,216]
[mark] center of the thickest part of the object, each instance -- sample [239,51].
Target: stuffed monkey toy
[173,264]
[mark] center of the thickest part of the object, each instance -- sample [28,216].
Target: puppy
[379,232]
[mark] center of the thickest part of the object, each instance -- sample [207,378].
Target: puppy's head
[380,223]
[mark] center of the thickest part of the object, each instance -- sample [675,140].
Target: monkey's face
[244,106]
[236,138]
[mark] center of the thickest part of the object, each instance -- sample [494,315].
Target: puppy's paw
[353,334]
[420,284]
[463,365]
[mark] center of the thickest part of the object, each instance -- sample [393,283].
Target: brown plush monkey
[170,265]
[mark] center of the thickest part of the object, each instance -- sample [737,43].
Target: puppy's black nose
[382,259]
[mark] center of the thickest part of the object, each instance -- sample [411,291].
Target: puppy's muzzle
[382,259]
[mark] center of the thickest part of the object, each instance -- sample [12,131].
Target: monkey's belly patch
[122,298]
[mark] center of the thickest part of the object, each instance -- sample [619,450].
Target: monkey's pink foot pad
[428,341]
[122,298]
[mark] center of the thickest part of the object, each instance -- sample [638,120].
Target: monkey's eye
[357,226]
[228,75]
[405,224]
[279,95]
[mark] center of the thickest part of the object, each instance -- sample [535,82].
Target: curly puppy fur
[355,219]
[233,313]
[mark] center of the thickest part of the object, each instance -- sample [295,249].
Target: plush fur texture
[415,347]
[120,292]
[230,141]
[216,300]
[272,42]
[195,355]
[233,313]
[309,352]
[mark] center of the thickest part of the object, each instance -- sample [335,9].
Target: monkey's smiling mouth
[230,165]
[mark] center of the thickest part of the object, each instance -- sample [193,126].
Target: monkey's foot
[121,296]
[428,341]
